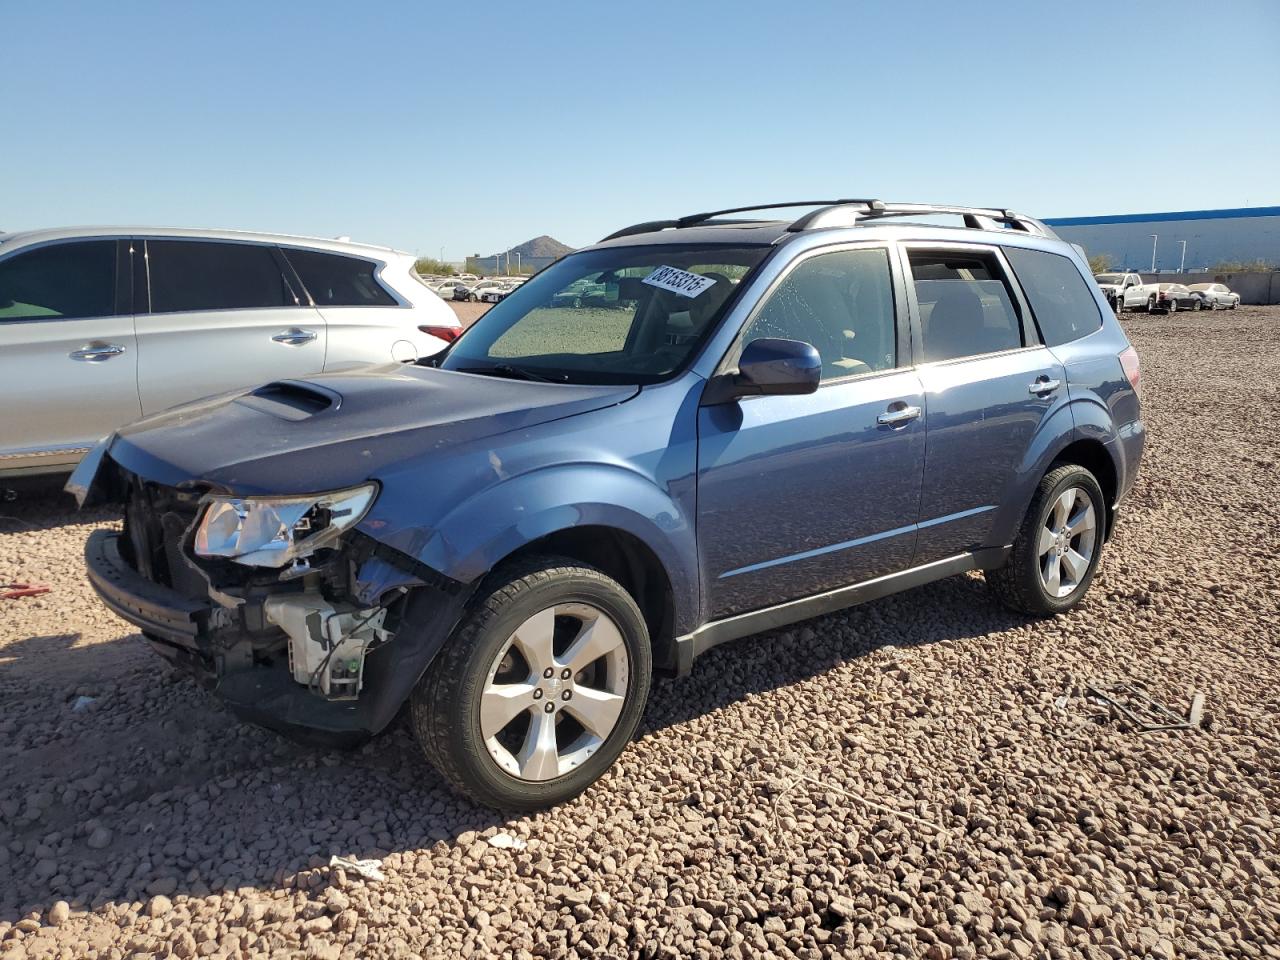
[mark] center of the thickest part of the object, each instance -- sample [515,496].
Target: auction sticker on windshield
[679,281]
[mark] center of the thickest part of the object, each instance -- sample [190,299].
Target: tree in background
[1241,266]
[1099,263]
[428,266]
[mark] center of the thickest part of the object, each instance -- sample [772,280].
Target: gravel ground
[917,776]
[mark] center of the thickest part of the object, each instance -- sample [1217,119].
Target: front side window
[966,308]
[1061,300]
[615,315]
[841,304]
[334,280]
[63,281]
[188,275]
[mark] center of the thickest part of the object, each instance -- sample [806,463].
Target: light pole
[519,272]
[1154,239]
[442,253]
[1182,265]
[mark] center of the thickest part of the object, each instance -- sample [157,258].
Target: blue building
[1243,234]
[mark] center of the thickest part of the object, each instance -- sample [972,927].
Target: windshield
[1109,277]
[617,315]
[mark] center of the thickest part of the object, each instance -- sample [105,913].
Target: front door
[797,495]
[68,356]
[988,382]
[219,316]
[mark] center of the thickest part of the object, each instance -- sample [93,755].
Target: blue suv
[690,432]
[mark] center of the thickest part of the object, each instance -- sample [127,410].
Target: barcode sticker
[679,281]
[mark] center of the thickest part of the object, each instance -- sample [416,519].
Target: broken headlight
[275,531]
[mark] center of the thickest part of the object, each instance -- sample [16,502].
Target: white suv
[101,326]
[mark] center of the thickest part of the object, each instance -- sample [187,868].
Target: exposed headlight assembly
[275,531]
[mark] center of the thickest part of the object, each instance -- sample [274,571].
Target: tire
[1173,307]
[1196,305]
[484,663]
[1234,304]
[1021,584]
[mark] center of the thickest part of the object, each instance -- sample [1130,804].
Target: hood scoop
[291,399]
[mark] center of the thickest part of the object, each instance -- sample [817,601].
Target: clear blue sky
[478,126]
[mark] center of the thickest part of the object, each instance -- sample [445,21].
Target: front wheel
[540,688]
[1195,305]
[1172,307]
[1058,547]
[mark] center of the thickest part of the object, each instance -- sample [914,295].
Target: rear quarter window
[1061,300]
[337,281]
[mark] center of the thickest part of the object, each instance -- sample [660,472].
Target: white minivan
[101,326]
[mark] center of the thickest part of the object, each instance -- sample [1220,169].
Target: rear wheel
[1058,547]
[540,688]
[1151,304]
[1195,304]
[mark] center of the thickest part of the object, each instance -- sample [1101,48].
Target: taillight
[447,334]
[1132,368]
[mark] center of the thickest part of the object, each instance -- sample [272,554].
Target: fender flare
[483,530]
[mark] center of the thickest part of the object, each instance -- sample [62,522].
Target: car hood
[334,430]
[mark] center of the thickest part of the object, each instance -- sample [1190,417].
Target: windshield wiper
[507,370]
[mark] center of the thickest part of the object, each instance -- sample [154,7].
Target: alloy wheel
[1067,542]
[555,691]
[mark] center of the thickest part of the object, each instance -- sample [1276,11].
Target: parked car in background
[444,288]
[462,292]
[101,326]
[514,537]
[1216,296]
[480,286]
[1172,297]
[1127,291]
[495,292]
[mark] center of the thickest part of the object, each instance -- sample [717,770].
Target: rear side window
[1062,302]
[198,275]
[63,281]
[337,281]
[966,308]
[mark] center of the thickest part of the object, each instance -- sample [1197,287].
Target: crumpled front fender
[477,534]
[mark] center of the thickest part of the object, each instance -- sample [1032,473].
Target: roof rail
[693,219]
[849,213]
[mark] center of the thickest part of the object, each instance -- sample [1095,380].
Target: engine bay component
[327,645]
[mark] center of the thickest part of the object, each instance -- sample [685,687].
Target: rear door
[68,355]
[365,323]
[218,315]
[989,385]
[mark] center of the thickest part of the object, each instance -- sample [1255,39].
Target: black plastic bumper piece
[157,611]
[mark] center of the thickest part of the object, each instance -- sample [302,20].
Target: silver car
[101,326]
[1216,296]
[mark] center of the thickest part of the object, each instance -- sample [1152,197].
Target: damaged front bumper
[336,652]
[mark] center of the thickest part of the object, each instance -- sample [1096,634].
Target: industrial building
[1185,240]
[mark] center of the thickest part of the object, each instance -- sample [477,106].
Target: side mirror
[770,367]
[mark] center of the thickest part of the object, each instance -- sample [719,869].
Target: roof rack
[695,219]
[975,218]
[850,213]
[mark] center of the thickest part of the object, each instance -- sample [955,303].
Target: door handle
[1044,385]
[897,415]
[295,337]
[91,353]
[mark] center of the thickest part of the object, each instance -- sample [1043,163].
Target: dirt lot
[917,776]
